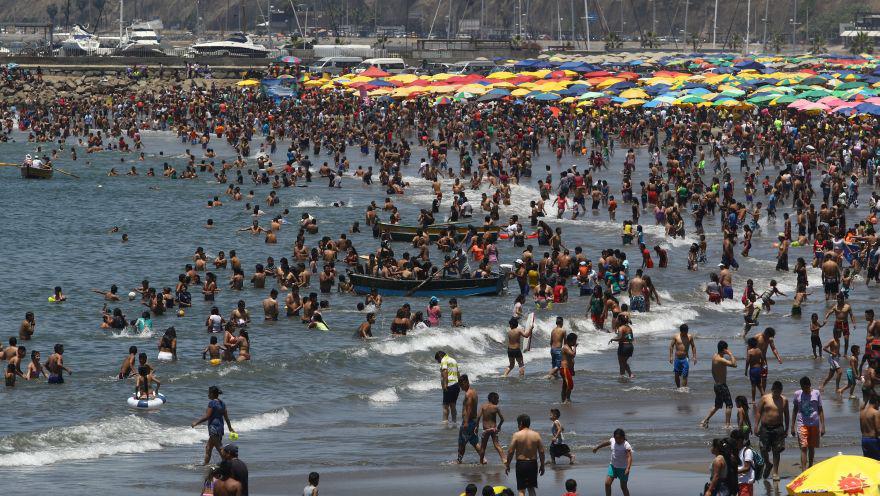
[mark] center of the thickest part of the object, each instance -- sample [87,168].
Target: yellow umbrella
[634,93]
[502,84]
[501,75]
[248,82]
[520,92]
[636,102]
[838,476]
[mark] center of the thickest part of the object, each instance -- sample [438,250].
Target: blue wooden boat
[490,286]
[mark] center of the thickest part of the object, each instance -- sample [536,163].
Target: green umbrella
[764,98]
[786,99]
[851,84]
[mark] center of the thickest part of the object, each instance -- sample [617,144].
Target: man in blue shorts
[681,346]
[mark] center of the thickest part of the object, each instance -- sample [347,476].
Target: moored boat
[399,232]
[35,172]
[489,286]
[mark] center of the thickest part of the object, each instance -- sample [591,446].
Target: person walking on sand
[527,449]
[720,362]
[621,461]
[682,344]
[809,421]
[771,423]
[492,419]
[215,416]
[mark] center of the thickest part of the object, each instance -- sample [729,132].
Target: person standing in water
[55,365]
[215,416]
[569,351]
[720,362]
[515,336]
[467,433]
[527,449]
[681,345]
[448,383]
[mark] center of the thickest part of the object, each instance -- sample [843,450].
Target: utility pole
[685,34]
[794,27]
[121,5]
[558,23]
[766,10]
[653,16]
[571,8]
[621,19]
[715,24]
[587,21]
[748,23]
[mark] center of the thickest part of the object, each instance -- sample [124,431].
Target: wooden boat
[490,286]
[434,231]
[35,173]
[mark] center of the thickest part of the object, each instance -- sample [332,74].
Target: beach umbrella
[374,72]
[590,95]
[783,100]
[289,59]
[443,100]
[545,97]
[248,82]
[838,476]
[633,93]
[635,102]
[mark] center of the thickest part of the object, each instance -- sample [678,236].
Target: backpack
[757,463]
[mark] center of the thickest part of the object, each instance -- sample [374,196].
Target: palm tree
[736,42]
[649,40]
[818,45]
[777,42]
[861,43]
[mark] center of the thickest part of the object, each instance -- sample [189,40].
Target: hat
[231,449]
[721,265]
[434,300]
[215,389]
[583,263]
[519,261]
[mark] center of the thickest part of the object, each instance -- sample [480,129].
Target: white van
[389,65]
[334,65]
[482,67]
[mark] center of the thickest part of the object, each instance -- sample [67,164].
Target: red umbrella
[596,74]
[374,72]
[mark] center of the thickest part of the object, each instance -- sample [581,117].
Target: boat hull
[34,173]
[491,286]
[434,231]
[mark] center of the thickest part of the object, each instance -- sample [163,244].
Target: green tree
[861,43]
[649,40]
[777,42]
[736,42]
[696,41]
[612,41]
[52,12]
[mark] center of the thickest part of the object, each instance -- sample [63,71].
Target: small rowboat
[490,286]
[35,173]
[434,231]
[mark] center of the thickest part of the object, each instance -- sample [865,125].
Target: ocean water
[327,401]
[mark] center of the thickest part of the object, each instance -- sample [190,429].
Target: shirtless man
[771,424]
[492,420]
[108,295]
[55,365]
[467,433]
[127,367]
[830,278]
[13,367]
[869,422]
[637,294]
[720,361]
[726,281]
[270,306]
[841,311]
[515,336]
[27,328]
[527,449]
[557,335]
[756,364]
[11,350]
[682,344]
[455,312]
[566,369]
[365,331]
[212,351]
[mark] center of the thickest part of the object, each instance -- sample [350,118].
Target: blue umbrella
[545,97]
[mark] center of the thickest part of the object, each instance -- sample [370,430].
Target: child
[144,379]
[851,372]
[558,448]
[312,488]
[750,314]
[571,488]
[815,340]
[491,425]
[767,296]
[621,461]
[742,414]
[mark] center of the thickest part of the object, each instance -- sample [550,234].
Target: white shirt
[746,455]
[618,453]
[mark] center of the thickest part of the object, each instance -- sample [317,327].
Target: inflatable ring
[51,299]
[150,404]
[165,356]
[215,361]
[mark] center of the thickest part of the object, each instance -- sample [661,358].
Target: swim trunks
[727,292]
[831,285]
[850,377]
[833,363]
[555,358]
[568,377]
[617,473]
[772,438]
[722,396]
[55,379]
[755,375]
[681,366]
[625,350]
[842,326]
[871,447]
[526,474]
[450,396]
[467,434]
[514,354]
[808,436]
[559,449]
[637,303]
[491,432]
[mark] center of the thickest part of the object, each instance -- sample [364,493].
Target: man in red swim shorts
[569,350]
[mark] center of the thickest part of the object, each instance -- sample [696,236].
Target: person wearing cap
[237,469]
[215,415]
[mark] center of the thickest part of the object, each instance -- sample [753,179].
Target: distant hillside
[539,15]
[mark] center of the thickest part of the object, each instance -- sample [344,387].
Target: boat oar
[429,279]
[8,164]
[65,172]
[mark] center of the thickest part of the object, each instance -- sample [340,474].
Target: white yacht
[80,42]
[237,45]
[140,40]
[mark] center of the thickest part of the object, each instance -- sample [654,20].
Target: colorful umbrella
[838,476]
[289,59]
